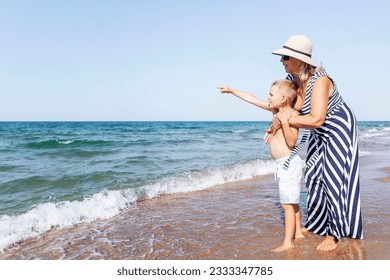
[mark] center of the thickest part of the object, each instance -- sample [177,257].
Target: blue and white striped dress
[332,169]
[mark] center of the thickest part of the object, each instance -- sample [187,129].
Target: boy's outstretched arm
[250,98]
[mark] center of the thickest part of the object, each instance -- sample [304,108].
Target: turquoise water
[57,161]
[63,173]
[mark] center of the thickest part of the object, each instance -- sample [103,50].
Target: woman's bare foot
[328,244]
[285,246]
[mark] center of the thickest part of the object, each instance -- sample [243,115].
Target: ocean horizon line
[148,121]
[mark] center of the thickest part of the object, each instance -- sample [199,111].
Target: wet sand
[386,179]
[241,220]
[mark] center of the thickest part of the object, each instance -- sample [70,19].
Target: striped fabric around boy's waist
[297,148]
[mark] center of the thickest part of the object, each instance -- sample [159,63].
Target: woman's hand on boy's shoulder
[284,116]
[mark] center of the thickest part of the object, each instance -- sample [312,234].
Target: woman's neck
[301,84]
[301,93]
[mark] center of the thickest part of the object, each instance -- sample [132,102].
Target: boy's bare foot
[283,247]
[328,244]
[299,233]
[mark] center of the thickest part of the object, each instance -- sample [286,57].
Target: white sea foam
[62,214]
[65,142]
[364,153]
[371,134]
[193,181]
[375,132]
[107,204]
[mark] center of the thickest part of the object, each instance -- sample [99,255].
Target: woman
[332,163]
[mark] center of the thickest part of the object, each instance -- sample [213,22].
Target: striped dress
[332,169]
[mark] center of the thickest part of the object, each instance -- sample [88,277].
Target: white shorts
[289,180]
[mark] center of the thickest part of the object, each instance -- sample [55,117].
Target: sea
[61,174]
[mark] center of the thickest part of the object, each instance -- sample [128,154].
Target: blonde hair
[289,89]
[307,70]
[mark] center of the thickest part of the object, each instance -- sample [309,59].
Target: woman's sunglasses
[285,57]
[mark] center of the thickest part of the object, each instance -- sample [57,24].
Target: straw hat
[297,46]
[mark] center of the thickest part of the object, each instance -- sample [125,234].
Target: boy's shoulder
[294,113]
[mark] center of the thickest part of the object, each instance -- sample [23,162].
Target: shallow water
[241,220]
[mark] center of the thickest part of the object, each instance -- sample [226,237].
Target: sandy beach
[385,179]
[241,220]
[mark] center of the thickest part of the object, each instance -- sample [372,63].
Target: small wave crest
[55,143]
[107,204]
[371,134]
[65,142]
[375,132]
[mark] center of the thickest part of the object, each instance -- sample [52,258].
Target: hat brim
[296,55]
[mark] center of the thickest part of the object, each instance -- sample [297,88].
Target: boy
[281,96]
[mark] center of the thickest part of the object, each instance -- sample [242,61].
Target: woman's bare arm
[322,89]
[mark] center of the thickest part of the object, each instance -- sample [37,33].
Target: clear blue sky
[162,59]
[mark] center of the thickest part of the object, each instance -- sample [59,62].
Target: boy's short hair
[289,89]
